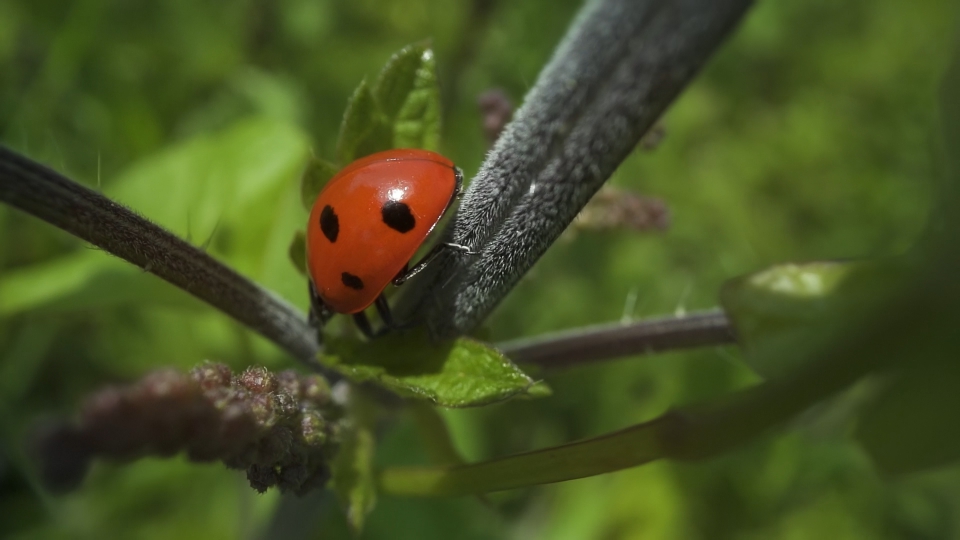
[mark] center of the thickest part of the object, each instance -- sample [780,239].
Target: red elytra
[369,221]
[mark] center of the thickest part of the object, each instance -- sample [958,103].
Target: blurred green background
[811,135]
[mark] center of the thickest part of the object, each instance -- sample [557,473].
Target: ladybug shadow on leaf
[401,354]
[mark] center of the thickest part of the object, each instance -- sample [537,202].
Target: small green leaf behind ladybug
[315,176]
[409,96]
[402,110]
[298,252]
[398,77]
[364,129]
[462,373]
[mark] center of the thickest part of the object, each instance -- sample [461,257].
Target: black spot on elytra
[329,223]
[397,216]
[351,281]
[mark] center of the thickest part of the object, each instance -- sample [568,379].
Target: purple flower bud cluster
[282,428]
[497,110]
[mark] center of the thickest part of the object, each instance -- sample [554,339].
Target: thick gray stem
[620,66]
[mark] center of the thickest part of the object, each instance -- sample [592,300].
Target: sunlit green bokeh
[812,135]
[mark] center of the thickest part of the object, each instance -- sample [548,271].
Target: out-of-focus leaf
[913,424]
[40,284]
[270,94]
[364,129]
[24,359]
[315,176]
[298,252]
[82,281]
[353,478]
[223,190]
[462,373]
[434,434]
[785,312]
[192,185]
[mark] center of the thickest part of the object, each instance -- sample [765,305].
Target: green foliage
[203,188]
[213,189]
[461,373]
[409,97]
[316,175]
[775,309]
[912,426]
[807,137]
[402,110]
[784,312]
[353,473]
[402,73]
[894,315]
[364,131]
[83,281]
[434,433]
[298,252]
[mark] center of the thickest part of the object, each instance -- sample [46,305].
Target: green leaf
[315,176]
[298,252]
[401,111]
[399,77]
[353,475]
[364,129]
[226,191]
[912,425]
[462,373]
[192,186]
[417,124]
[83,281]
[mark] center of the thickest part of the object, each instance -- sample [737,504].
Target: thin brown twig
[604,342]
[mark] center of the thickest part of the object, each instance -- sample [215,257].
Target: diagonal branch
[46,194]
[619,67]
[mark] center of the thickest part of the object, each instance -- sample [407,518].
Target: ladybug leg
[319,313]
[383,308]
[363,323]
[408,273]
[389,324]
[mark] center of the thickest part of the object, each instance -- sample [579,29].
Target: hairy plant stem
[620,65]
[52,197]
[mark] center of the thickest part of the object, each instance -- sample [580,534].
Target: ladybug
[367,224]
